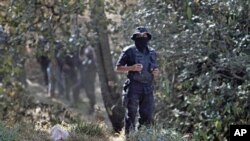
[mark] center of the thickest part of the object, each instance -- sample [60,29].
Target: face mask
[141,43]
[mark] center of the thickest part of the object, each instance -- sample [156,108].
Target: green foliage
[7,134]
[207,115]
[204,51]
[23,21]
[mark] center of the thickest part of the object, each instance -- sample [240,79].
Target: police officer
[55,74]
[43,58]
[139,61]
[69,72]
[88,72]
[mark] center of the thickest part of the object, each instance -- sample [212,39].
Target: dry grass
[89,131]
[83,131]
[26,132]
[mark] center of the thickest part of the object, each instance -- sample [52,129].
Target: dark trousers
[70,80]
[87,82]
[55,80]
[44,63]
[140,97]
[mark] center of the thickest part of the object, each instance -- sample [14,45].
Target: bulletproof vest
[89,63]
[148,62]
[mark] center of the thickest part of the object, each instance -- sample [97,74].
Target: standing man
[139,61]
[88,71]
[54,70]
[42,58]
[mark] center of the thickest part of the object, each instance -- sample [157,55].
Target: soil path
[39,91]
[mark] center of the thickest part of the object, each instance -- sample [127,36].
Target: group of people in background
[67,72]
[71,71]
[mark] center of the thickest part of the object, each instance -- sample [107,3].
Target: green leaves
[25,20]
[199,46]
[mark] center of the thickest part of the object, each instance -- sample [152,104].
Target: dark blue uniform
[43,59]
[88,72]
[138,89]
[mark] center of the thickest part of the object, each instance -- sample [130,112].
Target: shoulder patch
[151,49]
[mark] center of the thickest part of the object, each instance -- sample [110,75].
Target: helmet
[141,29]
[58,44]
[42,41]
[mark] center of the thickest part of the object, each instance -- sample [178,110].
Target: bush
[204,57]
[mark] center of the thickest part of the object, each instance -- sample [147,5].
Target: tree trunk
[108,80]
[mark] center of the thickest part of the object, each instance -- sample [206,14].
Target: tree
[24,21]
[51,19]
[108,79]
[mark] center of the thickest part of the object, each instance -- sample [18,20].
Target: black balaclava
[141,44]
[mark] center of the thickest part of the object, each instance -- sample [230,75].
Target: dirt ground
[39,91]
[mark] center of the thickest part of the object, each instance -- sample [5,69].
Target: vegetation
[203,53]
[91,129]
[205,80]
[156,134]
[7,134]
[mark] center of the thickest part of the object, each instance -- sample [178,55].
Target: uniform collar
[145,51]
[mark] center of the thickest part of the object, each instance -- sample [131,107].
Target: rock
[58,133]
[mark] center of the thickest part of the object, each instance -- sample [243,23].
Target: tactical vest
[149,63]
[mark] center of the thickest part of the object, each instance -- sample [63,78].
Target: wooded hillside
[203,48]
